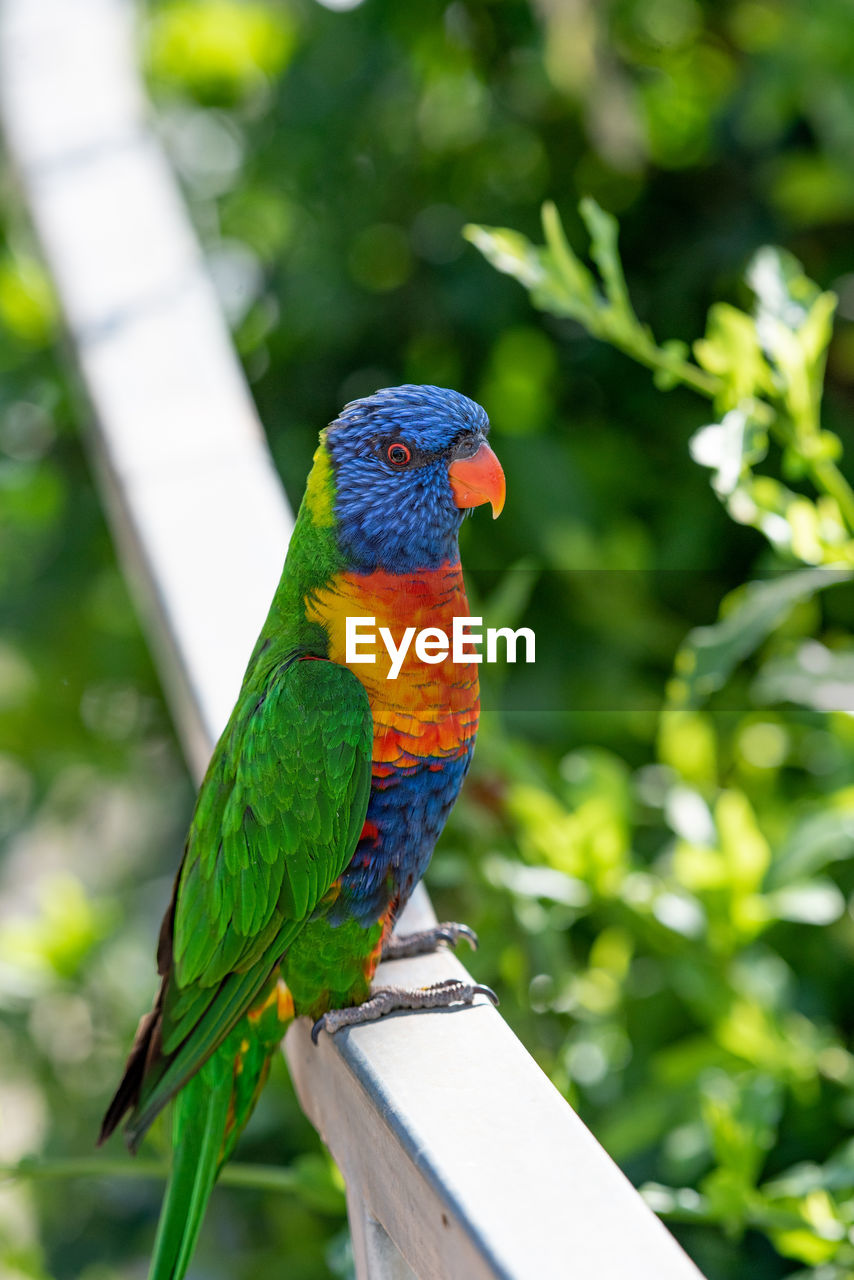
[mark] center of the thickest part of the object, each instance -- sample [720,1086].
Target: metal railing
[460,1157]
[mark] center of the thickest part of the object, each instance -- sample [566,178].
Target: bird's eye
[398,454]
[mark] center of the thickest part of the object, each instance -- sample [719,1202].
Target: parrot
[324,796]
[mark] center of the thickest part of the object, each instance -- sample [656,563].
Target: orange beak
[477,480]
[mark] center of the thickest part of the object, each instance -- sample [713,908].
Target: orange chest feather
[428,709]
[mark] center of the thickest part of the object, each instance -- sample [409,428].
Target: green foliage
[748,616]
[764,373]
[706,897]
[219,49]
[27,306]
[656,840]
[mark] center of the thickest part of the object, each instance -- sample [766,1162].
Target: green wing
[277,820]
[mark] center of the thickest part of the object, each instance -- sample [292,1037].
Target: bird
[324,796]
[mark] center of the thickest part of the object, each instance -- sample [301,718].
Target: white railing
[460,1157]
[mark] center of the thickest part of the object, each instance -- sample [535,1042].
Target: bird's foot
[389,999]
[428,940]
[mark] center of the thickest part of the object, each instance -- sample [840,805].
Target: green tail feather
[237,992]
[199,1124]
[210,1113]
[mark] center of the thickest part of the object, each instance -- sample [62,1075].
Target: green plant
[763,373]
[707,868]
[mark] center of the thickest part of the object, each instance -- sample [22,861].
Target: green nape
[313,559]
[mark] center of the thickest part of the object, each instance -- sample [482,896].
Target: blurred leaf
[687,743]
[61,936]
[509,252]
[313,1177]
[795,323]
[744,847]
[814,676]
[221,49]
[814,841]
[783,290]
[709,655]
[577,279]
[28,307]
[806,1244]
[536,882]
[604,233]
[811,188]
[741,1113]
[591,841]
[836,1174]
[815,902]
[731,350]
[729,447]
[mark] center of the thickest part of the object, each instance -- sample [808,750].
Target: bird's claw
[440,995]
[319,1026]
[428,940]
[452,933]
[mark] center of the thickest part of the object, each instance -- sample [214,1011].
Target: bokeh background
[663,897]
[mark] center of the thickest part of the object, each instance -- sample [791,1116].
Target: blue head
[408,462]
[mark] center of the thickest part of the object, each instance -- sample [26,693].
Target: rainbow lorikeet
[325,794]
